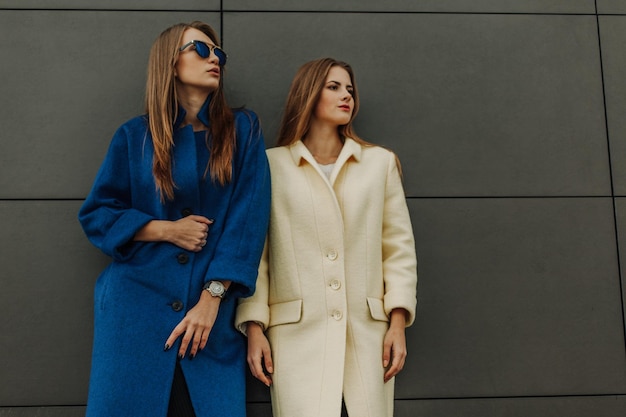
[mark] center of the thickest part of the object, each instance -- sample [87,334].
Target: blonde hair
[162,108]
[303,96]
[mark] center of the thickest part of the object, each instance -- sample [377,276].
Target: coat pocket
[287,312]
[377,309]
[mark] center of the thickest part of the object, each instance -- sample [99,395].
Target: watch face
[216,288]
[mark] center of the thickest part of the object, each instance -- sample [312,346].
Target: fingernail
[181,356]
[166,348]
[191,357]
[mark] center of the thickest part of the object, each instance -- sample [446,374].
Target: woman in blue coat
[181,204]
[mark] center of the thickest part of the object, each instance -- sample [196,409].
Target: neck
[192,102]
[324,143]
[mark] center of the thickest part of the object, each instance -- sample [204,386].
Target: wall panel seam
[405,12]
[613,200]
[515,397]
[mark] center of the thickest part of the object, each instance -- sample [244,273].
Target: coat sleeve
[398,244]
[240,245]
[106,216]
[256,307]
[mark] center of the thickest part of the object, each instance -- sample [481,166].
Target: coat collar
[203,115]
[300,153]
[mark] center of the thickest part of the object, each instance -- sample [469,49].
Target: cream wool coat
[340,255]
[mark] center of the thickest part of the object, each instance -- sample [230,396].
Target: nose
[213,57]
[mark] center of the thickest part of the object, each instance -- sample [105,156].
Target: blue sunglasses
[204,50]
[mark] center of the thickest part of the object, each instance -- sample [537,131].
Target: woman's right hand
[259,354]
[188,233]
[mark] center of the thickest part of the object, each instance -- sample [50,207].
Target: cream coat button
[335,284]
[332,255]
[337,315]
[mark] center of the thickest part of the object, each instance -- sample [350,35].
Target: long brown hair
[303,96]
[162,108]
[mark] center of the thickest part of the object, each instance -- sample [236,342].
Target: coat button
[337,315]
[177,305]
[332,254]
[182,258]
[186,212]
[335,284]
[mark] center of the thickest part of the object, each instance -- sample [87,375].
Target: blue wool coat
[149,286]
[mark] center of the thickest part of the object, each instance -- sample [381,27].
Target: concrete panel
[613,35]
[611,6]
[475,105]
[601,406]
[47,275]
[198,5]
[69,79]
[517,297]
[608,406]
[475,6]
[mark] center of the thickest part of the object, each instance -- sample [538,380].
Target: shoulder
[378,151]
[281,160]
[376,158]
[375,153]
[248,127]
[278,153]
[137,126]
[131,132]
[136,123]
[245,117]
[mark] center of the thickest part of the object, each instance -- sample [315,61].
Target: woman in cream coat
[337,282]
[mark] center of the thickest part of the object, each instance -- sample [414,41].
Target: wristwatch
[215,288]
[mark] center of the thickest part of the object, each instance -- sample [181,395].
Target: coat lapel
[300,153]
[303,158]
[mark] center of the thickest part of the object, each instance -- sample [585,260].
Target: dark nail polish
[180,356]
[191,357]
[166,348]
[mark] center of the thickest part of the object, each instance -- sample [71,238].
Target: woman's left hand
[394,344]
[196,326]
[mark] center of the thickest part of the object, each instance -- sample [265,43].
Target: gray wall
[508,117]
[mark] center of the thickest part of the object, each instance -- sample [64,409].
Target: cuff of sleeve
[241,274]
[406,301]
[250,311]
[120,244]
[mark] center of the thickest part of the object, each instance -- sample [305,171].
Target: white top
[327,169]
